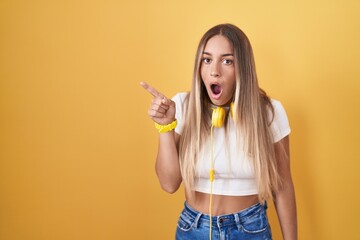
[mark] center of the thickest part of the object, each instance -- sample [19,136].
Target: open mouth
[216,89]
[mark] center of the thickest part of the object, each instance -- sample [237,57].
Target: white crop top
[234,175]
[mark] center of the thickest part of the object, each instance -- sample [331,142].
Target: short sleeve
[179,100]
[280,127]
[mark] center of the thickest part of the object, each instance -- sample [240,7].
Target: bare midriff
[221,204]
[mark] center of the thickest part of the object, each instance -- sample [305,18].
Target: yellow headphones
[218,115]
[217,120]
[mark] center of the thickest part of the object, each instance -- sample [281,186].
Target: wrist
[167,127]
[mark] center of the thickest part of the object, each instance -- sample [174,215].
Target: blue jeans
[251,223]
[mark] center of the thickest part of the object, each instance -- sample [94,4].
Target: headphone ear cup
[218,116]
[232,110]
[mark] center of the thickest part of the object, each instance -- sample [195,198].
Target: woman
[229,169]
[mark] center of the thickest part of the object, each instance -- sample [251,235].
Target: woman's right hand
[162,110]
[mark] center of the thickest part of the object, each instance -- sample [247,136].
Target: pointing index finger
[151,90]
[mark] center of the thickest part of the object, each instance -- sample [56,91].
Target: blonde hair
[252,117]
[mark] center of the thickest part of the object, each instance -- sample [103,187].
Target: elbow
[170,183]
[170,188]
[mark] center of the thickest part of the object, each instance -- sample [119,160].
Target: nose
[214,74]
[215,70]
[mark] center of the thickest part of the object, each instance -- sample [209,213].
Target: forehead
[218,44]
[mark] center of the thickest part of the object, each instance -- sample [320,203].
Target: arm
[285,203]
[167,162]
[162,111]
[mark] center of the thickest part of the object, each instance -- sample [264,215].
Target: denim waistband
[227,219]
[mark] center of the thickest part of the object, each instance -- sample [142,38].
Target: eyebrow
[223,55]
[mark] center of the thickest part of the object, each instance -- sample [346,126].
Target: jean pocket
[256,223]
[185,222]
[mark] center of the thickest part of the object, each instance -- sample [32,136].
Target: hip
[250,223]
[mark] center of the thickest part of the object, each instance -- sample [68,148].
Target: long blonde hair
[253,120]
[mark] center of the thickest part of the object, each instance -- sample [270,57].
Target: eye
[206,60]
[227,61]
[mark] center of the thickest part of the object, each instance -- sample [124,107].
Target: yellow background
[77,149]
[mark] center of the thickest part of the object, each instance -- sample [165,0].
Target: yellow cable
[211,176]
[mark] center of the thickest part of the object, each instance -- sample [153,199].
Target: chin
[218,102]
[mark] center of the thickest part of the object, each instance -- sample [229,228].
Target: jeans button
[221,220]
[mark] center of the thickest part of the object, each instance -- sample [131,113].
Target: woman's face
[218,70]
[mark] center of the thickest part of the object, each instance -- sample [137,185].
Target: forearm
[285,204]
[167,162]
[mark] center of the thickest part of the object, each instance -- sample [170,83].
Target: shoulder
[276,103]
[179,100]
[180,97]
[279,121]
[279,109]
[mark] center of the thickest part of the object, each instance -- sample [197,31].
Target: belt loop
[237,221]
[196,221]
